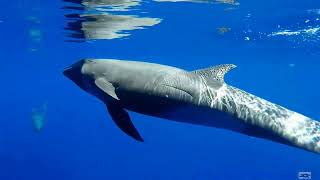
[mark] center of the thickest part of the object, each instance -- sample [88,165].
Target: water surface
[275,45]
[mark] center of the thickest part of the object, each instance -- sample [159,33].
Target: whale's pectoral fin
[107,87]
[215,72]
[122,120]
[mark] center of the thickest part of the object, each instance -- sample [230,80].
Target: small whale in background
[38,117]
[223,30]
[199,97]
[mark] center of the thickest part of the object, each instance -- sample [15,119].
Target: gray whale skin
[198,97]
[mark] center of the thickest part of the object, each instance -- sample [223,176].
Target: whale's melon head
[80,74]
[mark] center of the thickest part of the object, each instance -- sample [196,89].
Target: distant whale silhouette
[198,97]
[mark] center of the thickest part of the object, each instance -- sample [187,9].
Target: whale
[199,97]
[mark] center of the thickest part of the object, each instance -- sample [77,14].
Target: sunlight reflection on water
[100,19]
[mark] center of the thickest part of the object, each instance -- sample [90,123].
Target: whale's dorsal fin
[215,72]
[106,87]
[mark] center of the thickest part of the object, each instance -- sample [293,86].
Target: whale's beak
[73,72]
[68,71]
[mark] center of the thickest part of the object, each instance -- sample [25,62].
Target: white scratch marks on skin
[299,130]
[303,131]
[215,95]
[294,122]
[220,93]
[207,90]
[294,127]
[201,90]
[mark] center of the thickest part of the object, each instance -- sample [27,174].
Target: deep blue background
[79,141]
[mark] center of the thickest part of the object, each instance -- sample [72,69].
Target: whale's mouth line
[70,70]
[65,70]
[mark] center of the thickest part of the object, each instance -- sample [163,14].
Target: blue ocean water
[275,44]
